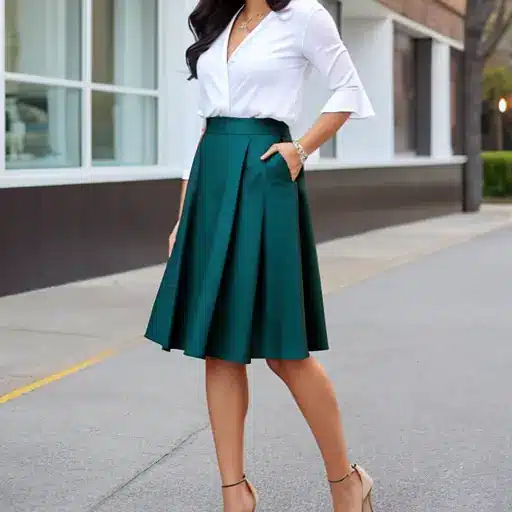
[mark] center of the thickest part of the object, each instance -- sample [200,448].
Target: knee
[276,365]
[284,368]
[220,365]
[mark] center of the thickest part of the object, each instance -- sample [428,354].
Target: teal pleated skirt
[242,281]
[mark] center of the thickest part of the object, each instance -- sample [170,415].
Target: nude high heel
[367,485]
[250,487]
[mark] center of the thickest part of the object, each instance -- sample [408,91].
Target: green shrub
[497,173]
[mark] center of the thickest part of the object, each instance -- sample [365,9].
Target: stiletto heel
[367,485]
[367,503]
[254,494]
[251,488]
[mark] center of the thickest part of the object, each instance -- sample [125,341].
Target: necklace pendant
[244,25]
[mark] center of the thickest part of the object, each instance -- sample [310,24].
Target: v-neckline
[227,57]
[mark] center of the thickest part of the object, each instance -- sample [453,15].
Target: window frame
[86,172]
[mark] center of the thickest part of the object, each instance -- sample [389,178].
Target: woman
[242,281]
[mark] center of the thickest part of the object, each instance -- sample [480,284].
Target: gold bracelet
[300,150]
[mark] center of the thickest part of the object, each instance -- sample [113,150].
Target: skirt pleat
[242,281]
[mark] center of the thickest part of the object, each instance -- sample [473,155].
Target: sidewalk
[47,331]
[420,356]
[349,260]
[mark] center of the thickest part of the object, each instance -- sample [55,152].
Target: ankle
[341,474]
[238,499]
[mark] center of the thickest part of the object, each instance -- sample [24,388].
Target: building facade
[100,116]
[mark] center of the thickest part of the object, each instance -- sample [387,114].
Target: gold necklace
[244,25]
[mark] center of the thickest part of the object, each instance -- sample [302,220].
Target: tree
[486,23]
[497,84]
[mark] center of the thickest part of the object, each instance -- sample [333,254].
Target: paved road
[421,360]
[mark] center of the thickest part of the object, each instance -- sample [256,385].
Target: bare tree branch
[500,25]
[478,13]
[501,10]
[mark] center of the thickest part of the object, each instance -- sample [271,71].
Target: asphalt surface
[421,358]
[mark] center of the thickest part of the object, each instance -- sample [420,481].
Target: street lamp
[502,108]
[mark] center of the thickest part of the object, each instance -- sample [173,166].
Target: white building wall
[441,102]
[370,42]
[181,124]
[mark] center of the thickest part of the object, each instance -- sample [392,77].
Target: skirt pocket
[277,169]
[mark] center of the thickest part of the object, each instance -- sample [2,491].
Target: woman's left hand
[290,155]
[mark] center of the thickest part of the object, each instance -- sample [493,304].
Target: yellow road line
[57,376]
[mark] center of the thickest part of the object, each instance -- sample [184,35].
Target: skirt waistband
[247,126]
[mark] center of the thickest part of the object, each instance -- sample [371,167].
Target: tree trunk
[473,72]
[477,15]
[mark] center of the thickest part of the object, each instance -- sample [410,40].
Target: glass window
[42,126]
[50,96]
[42,37]
[43,120]
[125,42]
[124,129]
[404,63]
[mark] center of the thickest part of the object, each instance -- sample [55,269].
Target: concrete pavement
[420,356]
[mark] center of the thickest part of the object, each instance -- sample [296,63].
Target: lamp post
[502,108]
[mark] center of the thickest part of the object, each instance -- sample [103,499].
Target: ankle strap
[244,479]
[352,469]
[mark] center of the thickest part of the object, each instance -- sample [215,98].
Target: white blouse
[264,77]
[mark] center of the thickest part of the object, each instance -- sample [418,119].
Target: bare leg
[227,393]
[316,399]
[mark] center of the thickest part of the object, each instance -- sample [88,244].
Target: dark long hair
[208,21]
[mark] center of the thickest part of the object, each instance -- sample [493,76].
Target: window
[329,149]
[405,92]
[81,83]
[42,125]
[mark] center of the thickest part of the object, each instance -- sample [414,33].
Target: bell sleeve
[324,49]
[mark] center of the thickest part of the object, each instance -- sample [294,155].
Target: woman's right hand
[172,237]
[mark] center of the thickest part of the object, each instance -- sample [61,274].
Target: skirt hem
[203,356]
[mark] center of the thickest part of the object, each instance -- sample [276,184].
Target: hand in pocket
[290,156]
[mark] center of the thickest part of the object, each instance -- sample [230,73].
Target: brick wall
[456,5]
[443,16]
